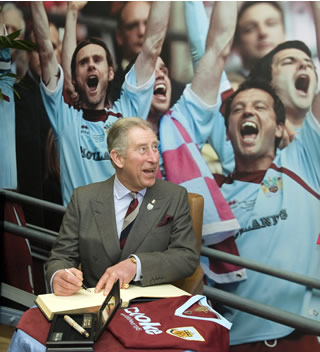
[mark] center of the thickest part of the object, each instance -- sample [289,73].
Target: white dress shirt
[122,200]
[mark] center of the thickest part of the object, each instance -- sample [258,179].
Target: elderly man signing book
[131,227]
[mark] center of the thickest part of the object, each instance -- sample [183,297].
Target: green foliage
[11,42]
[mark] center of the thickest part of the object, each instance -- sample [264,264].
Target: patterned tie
[131,215]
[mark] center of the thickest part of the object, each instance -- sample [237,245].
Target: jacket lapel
[103,212]
[150,213]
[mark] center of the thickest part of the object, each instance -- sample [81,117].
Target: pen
[71,273]
[76,326]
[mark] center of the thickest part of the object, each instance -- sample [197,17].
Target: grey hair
[118,133]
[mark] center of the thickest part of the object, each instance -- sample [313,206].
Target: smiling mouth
[160,90]
[302,83]
[92,83]
[249,130]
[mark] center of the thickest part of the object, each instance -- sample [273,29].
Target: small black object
[62,337]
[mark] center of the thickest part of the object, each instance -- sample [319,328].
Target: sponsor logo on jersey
[246,205]
[267,221]
[99,138]
[84,130]
[186,333]
[97,156]
[271,185]
[142,320]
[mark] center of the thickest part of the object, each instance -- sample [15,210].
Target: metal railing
[296,321]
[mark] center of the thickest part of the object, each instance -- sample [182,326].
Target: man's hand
[77,5]
[125,271]
[65,284]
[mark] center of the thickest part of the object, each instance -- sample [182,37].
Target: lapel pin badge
[151,205]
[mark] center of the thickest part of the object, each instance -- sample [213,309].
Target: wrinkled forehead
[141,134]
[252,95]
[291,52]
[90,50]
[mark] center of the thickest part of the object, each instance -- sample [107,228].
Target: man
[129,37]
[291,72]
[81,134]
[282,78]
[161,245]
[264,189]
[260,28]
[131,29]
[179,128]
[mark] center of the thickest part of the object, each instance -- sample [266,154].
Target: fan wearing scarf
[81,134]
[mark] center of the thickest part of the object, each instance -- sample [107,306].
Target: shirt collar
[121,191]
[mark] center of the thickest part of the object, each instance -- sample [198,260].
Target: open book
[85,302]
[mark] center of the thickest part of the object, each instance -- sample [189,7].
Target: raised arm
[316,14]
[197,23]
[69,44]
[48,60]
[155,35]
[207,77]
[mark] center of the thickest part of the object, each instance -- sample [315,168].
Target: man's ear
[279,130]
[116,158]
[111,74]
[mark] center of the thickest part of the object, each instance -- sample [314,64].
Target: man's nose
[262,30]
[91,64]
[303,64]
[142,29]
[248,111]
[153,155]
[159,73]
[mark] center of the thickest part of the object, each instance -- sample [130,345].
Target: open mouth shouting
[92,83]
[160,91]
[302,83]
[249,131]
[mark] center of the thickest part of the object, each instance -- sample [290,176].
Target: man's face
[294,79]
[13,21]
[92,76]
[252,125]
[34,60]
[131,34]
[138,168]
[260,30]
[162,89]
